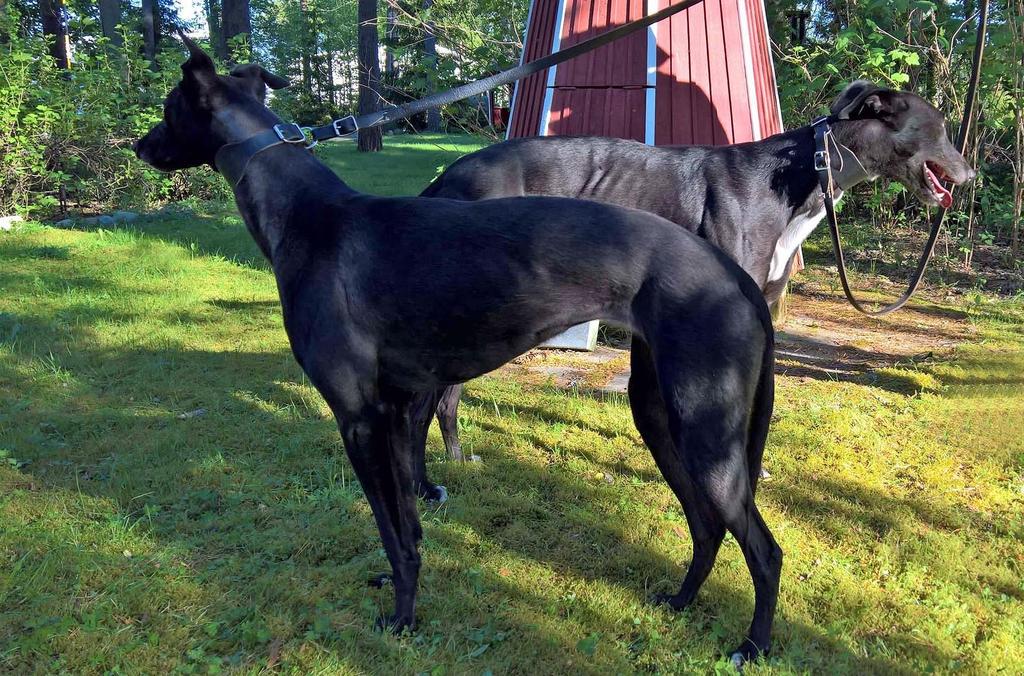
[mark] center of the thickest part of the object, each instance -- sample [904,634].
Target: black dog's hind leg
[706,529]
[448,420]
[378,443]
[710,426]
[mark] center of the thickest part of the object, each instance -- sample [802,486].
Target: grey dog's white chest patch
[793,235]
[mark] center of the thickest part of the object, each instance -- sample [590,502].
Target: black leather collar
[233,159]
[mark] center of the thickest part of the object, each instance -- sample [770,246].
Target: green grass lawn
[404,167]
[174,495]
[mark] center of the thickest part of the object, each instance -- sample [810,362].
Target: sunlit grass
[406,165]
[139,534]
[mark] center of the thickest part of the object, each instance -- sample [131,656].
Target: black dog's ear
[199,67]
[850,102]
[258,79]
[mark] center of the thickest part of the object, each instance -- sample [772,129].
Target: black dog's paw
[747,652]
[380,581]
[673,601]
[396,624]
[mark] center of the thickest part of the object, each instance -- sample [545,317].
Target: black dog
[387,300]
[756,202]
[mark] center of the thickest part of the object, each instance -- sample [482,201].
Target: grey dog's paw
[440,496]
[380,580]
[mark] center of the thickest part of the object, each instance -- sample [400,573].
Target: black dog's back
[546,262]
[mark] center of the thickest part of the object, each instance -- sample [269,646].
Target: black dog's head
[904,139]
[207,110]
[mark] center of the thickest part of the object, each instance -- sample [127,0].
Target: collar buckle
[289,132]
[820,160]
[345,126]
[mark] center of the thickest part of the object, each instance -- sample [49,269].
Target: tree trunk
[110,16]
[213,22]
[391,34]
[430,64]
[52,15]
[332,90]
[235,16]
[306,48]
[149,29]
[1017,27]
[369,73]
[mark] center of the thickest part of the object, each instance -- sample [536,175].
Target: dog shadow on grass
[221,461]
[249,497]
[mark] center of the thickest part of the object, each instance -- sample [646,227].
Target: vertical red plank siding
[767,91]
[742,122]
[620,64]
[598,111]
[703,81]
[674,124]
[525,118]
[700,76]
[718,81]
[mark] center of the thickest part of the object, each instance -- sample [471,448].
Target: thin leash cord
[929,249]
[839,148]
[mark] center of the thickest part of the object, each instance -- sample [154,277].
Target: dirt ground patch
[822,337]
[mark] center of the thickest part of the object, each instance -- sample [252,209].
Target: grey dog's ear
[849,103]
[259,78]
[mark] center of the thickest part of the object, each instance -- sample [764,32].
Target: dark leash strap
[822,164]
[232,159]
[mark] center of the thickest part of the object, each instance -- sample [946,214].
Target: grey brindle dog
[757,202]
[387,300]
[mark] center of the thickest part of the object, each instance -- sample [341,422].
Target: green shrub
[66,136]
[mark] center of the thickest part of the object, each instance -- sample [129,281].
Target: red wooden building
[703,76]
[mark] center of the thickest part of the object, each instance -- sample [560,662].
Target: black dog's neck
[275,195]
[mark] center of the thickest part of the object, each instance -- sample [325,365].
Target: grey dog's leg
[448,420]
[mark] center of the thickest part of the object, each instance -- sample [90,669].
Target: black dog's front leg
[378,443]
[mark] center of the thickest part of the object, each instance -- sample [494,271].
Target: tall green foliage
[926,47]
[66,136]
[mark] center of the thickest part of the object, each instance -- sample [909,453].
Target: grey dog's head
[903,138]
[207,110]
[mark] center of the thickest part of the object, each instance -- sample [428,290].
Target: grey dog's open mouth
[933,176]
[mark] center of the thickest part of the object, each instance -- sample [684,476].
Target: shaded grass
[138,541]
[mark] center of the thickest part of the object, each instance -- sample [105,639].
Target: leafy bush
[66,136]
[925,47]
